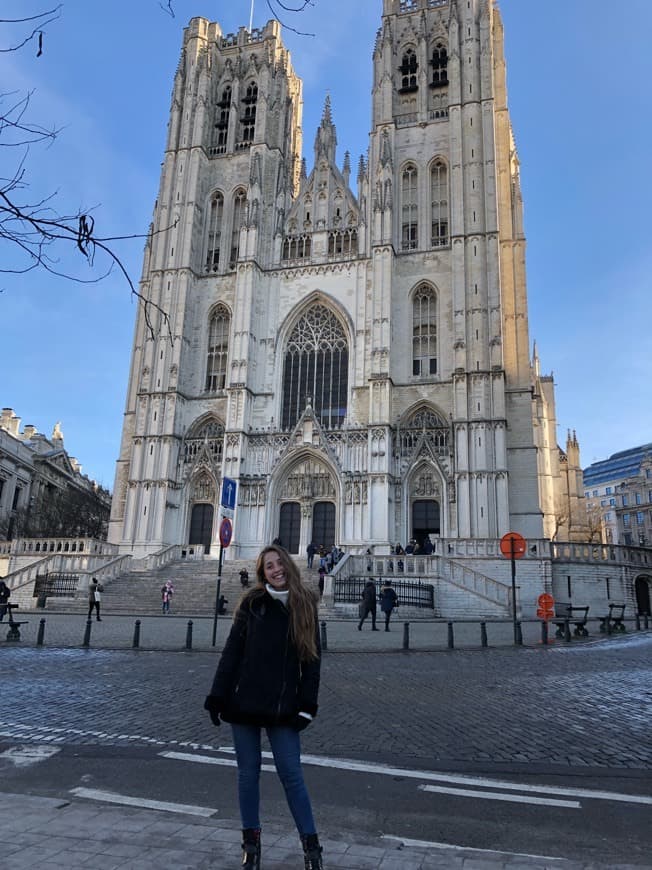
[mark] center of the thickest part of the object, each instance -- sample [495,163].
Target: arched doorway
[642,590]
[425,519]
[323,524]
[289,530]
[201,526]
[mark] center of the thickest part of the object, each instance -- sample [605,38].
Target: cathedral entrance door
[201,525]
[425,519]
[290,525]
[642,588]
[323,524]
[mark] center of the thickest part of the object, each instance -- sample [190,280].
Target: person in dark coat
[427,546]
[268,678]
[388,601]
[311,550]
[5,593]
[368,605]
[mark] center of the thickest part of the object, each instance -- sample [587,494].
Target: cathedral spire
[326,138]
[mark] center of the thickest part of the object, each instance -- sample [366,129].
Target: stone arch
[643,594]
[425,500]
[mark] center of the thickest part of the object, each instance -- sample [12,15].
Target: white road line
[498,796]
[206,759]
[143,803]
[427,844]
[24,756]
[455,779]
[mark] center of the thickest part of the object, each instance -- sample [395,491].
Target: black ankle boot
[251,848]
[312,852]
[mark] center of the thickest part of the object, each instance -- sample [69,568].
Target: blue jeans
[286,748]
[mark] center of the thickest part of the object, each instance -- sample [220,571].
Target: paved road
[571,716]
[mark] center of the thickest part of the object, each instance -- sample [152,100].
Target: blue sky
[578,79]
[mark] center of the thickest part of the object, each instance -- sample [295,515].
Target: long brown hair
[302,604]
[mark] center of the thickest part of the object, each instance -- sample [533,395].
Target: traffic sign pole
[217,593]
[513,547]
[512,557]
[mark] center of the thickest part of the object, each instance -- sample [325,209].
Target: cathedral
[348,343]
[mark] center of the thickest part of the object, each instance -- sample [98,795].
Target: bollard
[41,633]
[483,634]
[87,633]
[567,634]
[645,622]
[608,625]
[638,622]
[324,638]
[406,635]
[136,641]
[189,635]
[451,638]
[519,634]
[544,632]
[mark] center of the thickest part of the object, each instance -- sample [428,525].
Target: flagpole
[251,17]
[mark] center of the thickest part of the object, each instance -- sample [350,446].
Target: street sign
[513,545]
[226,532]
[546,601]
[545,613]
[229,488]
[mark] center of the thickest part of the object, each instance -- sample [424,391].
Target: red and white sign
[226,532]
[513,545]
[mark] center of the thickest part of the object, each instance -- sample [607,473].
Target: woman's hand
[212,704]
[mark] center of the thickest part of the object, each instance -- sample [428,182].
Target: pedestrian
[311,550]
[409,550]
[268,677]
[427,546]
[368,604]
[388,601]
[277,542]
[167,591]
[322,557]
[321,581]
[94,589]
[244,578]
[5,592]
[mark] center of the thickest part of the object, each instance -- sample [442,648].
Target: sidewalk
[51,833]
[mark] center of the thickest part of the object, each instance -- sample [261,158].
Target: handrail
[481,584]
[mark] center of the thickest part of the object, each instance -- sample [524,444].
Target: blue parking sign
[228,493]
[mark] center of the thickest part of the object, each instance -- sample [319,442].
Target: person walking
[368,604]
[244,578]
[268,678]
[388,601]
[167,591]
[94,589]
[5,593]
[311,550]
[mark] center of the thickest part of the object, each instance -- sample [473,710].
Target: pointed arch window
[424,332]
[315,369]
[218,349]
[239,203]
[209,433]
[439,236]
[215,217]
[439,63]
[409,222]
[248,116]
[223,112]
[408,70]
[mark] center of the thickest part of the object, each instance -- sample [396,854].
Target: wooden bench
[14,625]
[566,613]
[614,620]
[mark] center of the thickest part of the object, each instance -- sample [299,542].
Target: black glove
[300,722]
[212,704]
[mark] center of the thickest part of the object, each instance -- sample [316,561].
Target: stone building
[357,360]
[618,494]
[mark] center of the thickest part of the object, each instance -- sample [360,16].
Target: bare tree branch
[43,19]
[303,4]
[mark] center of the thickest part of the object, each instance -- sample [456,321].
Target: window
[222,122]
[439,204]
[627,520]
[640,518]
[638,498]
[424,332]
[612,502]
[342,242]
[215,215]
[218,347]
[239,201]
[608,490]
[209,434]
[439,65]
[315,369]
[408,70]
[248,115]
[649,495]
[595,492]
[296,247]
[16,498]
[2,486]
[409,224]
[625,500]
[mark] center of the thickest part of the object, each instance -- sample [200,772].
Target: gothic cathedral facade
[358,362]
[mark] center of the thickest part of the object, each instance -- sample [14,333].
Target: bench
[614,620]
[14,626]
[565,613]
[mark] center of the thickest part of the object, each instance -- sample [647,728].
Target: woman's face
[274,571]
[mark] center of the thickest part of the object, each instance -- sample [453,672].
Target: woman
[388,601]
[268,677]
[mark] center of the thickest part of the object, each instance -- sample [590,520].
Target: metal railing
[56,585]
[410,593]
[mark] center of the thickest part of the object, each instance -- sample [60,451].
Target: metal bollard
[136,641]
[406,635]
[608,625]
[483,634]
[324,638]
[41,633]
[451,637]
[645,622]
[87,633]
[544,632]
[567,634]
[519,634]
[189,635]
[638,622]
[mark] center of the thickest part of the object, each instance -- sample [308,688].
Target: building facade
[618,494]
[356,360]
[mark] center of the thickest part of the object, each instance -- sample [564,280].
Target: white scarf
[280,594]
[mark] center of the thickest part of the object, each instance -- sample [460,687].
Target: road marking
[112,798]
[427,844]
[454,779]
[499,796]
[206,759]
[24,756]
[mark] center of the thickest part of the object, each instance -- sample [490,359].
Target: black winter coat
[260,679]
